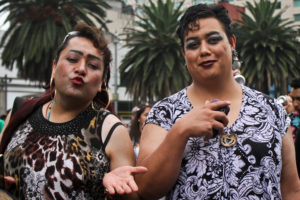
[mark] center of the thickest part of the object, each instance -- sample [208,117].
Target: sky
[2,18]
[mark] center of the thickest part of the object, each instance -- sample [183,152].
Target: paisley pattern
[58,160]
[250,169]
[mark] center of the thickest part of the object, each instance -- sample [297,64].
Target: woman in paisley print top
[65,144]
[251,156]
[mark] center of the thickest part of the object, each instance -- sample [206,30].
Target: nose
[204,49]
[81,67]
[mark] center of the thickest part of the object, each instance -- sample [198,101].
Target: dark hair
[31,104]
[188,21]
[295,83]
[96,36]
[134,130]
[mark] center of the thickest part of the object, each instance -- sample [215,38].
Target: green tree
[154,67]
[38,27]
[268,47]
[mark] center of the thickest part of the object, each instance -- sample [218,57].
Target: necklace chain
[48,110]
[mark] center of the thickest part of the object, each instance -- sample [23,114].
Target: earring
[108,99]
[103,99]
[93,107]
[236,64]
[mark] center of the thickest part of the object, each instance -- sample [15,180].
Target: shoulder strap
[110,134]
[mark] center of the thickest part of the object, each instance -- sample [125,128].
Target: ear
[53,68]
[233,42]
[182,52]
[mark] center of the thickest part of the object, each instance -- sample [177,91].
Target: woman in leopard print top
[65,144]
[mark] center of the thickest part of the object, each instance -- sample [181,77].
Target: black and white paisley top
[59,160]
[248,170]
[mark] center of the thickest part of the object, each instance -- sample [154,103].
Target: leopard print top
[59,160]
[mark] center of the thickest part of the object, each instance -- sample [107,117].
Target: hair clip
[72,33]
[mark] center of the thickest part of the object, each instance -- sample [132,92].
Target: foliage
[36,29]
[268,47]
[154,67]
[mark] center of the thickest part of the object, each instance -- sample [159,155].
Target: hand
[121,180]
[8,182]
[201,121]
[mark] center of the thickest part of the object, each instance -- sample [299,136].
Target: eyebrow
[207,35]
[89,55]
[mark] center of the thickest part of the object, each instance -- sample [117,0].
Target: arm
[161,151]
[290,184]
[5,124]
[119,149]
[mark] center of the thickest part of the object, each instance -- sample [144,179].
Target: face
[79,70]
[143,117]
[207,50]
[295,94]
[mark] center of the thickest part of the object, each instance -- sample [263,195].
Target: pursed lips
[77,80]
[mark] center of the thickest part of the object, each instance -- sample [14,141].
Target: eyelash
[92,66]
[211,40]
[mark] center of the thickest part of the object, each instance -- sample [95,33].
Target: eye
[192,44]
[94,64]
[214,39]
[72,60]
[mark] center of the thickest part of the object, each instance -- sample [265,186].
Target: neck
[63,111]
[199,93]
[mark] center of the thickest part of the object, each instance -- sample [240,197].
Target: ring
[106,190]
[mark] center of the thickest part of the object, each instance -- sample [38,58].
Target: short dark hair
[295,83]
[193,13]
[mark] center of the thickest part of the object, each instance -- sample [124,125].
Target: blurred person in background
[295,95]
[136,125]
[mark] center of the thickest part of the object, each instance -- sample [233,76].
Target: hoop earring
[93,107]
[103,94]
[108,99]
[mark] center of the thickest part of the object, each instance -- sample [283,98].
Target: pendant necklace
[48,110]
[228,139]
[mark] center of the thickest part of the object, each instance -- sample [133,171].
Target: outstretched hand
[121,180]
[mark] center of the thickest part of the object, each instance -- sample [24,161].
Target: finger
[110,190]
[221,117]
[8,182]
[217,105]
[133,185]
[119,190]
[138,170]
[127,189]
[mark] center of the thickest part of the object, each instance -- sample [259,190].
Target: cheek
[191,56]
[60,72]
[96,76]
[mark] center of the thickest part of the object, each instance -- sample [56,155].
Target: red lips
[77,80]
